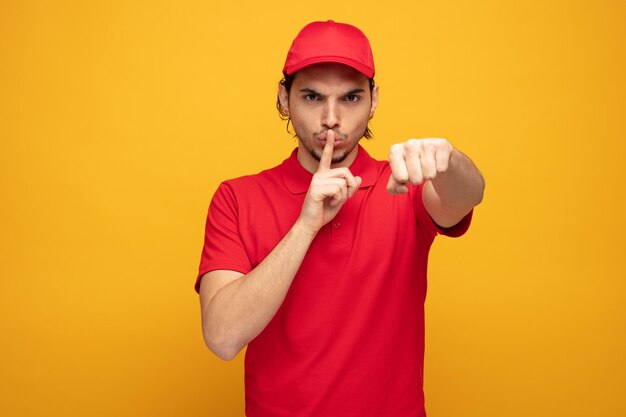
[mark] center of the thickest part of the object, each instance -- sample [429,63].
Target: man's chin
[336,158]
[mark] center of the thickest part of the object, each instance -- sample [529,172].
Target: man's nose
[331,117]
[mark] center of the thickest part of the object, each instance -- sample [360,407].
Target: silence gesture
[330,188]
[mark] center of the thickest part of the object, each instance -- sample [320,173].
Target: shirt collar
[297,179]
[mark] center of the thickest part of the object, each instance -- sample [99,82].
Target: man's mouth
[323,142]
[322,138]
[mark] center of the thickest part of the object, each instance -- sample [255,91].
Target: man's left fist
[417,160]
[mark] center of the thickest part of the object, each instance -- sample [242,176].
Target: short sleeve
[223,247]
[430,226]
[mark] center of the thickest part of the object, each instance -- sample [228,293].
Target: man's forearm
[240,310]
[461,187]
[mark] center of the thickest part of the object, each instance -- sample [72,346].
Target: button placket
[338,231]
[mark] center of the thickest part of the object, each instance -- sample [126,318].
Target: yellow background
[118,119]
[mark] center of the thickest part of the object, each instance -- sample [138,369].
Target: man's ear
[283,97]
[374,101]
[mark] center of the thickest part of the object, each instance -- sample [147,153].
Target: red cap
[330,41]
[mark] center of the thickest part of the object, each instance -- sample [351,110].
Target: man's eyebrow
[309,91]
[355,91]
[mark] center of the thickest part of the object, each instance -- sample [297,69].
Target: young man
[318,265]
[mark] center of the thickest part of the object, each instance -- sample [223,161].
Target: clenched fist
[417,160]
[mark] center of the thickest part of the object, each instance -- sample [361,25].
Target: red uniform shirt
[348,339]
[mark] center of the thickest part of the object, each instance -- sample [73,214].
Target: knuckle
[414,145]
[395,149]
[441,143]
[430,144]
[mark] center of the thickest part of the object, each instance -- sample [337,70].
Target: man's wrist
[302,231]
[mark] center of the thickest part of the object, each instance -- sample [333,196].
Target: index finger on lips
[327,154]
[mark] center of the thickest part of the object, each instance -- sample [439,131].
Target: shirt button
[337,225]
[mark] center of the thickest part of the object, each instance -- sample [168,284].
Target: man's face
[324,97]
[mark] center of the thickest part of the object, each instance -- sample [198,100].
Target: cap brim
[363,69]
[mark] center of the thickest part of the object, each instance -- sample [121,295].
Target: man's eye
[352,97]
[311,97]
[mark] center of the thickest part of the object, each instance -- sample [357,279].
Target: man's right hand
[330,188]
